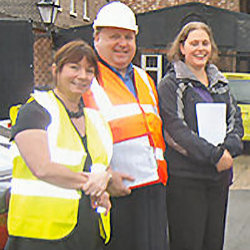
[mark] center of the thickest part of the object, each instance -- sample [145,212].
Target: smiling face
[116,46]
[74,78]
[196,49]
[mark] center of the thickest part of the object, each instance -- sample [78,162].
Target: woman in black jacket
[200,164]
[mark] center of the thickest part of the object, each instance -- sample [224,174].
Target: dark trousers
[196,213]
[139,220]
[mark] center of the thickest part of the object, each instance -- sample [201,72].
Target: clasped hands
[95,185]
[100,185]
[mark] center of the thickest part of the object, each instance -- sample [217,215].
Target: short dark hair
[74,52]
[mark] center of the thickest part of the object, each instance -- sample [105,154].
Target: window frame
[73,8]
[85,15]
[157,69]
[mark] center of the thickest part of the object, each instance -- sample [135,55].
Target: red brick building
[74,13]
[140,6]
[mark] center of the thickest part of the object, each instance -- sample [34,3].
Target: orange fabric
[162,171]
[144,89]
[121,128]
[135,125]
[89,100]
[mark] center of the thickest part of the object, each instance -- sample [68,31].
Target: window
[73,8]
[85,11]
[245,6]
[57,3]
[153,65]
[242,62]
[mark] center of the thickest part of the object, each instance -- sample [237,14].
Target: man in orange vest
[127,98]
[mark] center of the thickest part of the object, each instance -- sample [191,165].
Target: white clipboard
[211,120]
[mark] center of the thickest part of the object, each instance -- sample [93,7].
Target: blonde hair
[174,53]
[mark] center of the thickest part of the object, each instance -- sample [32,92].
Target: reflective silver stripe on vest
[122,111]
[148,108]
[135,157]
[42,189]
[94,116]
[58,155]
[112,112]
[159,154]
[144,77]
[67,157]
[50,104]
[101,98]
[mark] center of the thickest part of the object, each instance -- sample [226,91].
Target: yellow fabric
[37,222]
[104,225]
[14,111]
[50,217]
[65,128]
[94,135]
[24,172]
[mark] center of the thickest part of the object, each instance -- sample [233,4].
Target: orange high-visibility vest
[135,123]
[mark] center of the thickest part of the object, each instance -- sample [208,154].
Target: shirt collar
[129,71]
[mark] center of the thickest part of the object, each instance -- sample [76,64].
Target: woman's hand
[96,184]
[102,202]
[225,162]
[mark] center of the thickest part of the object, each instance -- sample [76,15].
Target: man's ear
[96,38]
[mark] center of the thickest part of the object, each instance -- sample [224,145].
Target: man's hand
[225,162]
[116,186]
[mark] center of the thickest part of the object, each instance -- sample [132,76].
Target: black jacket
[188,154]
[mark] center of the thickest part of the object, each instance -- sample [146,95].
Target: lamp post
[48,11]
[43,46]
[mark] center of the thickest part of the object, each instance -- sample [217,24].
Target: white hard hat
[116,14]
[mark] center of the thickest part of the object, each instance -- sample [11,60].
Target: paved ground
[238,219]
[242,173]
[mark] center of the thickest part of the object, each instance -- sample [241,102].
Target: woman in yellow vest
[60,162]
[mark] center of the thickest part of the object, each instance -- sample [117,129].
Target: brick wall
[42,54]
[65,20]
[140,6]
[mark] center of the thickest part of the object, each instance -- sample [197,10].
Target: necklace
[77,114]
[73,114]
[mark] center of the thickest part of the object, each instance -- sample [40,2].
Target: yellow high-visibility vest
[45,211]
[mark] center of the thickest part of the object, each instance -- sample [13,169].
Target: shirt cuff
[98,168]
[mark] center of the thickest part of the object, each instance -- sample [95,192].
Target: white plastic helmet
[116,14]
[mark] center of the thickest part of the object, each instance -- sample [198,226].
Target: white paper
[135,157]
[211,119]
